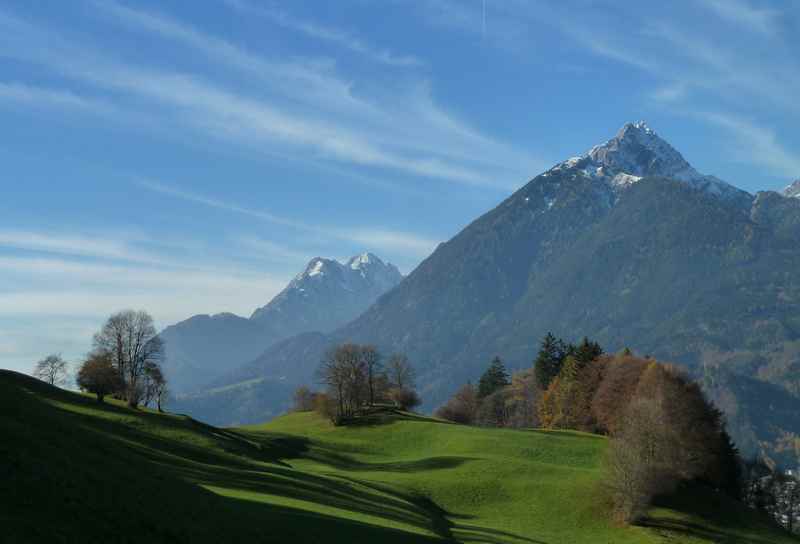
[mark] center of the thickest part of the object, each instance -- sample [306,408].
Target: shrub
[99,376]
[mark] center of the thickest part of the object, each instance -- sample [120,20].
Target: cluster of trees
[126,361]
[503,400]
[499,400]
[662,428]
[355,377]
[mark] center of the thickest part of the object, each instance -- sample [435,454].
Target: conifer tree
[549,360]
[493,379]
[587,351]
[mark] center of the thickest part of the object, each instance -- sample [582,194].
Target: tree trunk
[371,394]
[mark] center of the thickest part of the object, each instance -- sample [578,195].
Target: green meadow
[73,470]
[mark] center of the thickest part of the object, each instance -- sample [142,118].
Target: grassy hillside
[80,472]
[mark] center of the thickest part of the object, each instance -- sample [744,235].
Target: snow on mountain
[793,190]
[637,152]
[326,295]
[361,278]
[315,268]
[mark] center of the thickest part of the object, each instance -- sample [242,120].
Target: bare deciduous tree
[130,338]
[638,459]
[154,386]
[52,369]
[344,372]
[400,372]
[372,362]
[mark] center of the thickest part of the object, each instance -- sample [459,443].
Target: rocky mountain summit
[637,152]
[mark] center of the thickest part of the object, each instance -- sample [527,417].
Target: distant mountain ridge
[326,295]
[627,244]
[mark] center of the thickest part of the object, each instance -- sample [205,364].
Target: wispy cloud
[260,248]
[75,245]
[757,144]
[39,96]
[690,69]
[132,279]
[68,296]
[328,34]
[379,238]
[743,13]
[411,245]
[414,136]
[670,93]
[300,77]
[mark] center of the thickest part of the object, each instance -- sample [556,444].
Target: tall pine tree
[549,360]
[493,379]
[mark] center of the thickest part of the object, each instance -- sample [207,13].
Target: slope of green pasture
[72,470]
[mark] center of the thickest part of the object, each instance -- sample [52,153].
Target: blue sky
[191,157]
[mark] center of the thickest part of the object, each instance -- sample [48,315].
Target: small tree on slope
[97,375]
[52,369]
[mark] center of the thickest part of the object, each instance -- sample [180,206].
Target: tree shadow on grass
[180,435]
[473,533]
[717,518]
[442,520]
[343,492]
[383,415]
[183,456]
[271,523]
[345,462]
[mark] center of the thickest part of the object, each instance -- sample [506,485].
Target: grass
[75,471]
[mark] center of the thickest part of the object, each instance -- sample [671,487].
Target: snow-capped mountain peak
[636,152]
[360,261]
[793,190]
[354,283]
